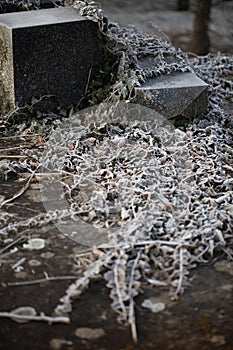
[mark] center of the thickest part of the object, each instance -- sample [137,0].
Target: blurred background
[197,26]
[183,21]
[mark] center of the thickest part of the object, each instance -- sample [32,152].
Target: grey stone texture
[174,95]
[52,52]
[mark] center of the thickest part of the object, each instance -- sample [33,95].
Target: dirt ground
[201,319]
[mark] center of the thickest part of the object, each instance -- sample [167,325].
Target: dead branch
[41,280]
[5,156]
[131,303]
[17,240]
[40,318]
[181,274]
[21,191]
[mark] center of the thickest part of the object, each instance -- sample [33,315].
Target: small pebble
[35,244]
[227,288]
[155,307]
[34,262]
[21,274]
[89,333]
[35,186]
[47,255]
[224,266]
[56,343]
[76,250]
[218,340]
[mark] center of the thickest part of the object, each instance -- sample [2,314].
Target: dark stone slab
[47,52]
[174,95]
[44,4]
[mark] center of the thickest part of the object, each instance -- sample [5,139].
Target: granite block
[174,95]
[52,52]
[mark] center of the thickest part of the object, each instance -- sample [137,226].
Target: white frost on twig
[40,318]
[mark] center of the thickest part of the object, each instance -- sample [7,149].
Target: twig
[17,136]
[21,191]
[41,280]
[159,241]
[12,112]
[9,157]
[131,302]
[42,317]
[181,272]
[25,207]
[161,32]
[155,282]
[11,244]
[118,289]
[192,54]
[88,81]
[11,148]
[76,288]
[18,263]
[142,243]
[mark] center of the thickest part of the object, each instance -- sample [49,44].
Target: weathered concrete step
[173,95]
[47,52]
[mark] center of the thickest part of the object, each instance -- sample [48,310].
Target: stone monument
[176,95]
[52,55]
[52,52]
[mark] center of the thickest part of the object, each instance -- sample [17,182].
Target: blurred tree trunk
[182,5]
[200,43]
